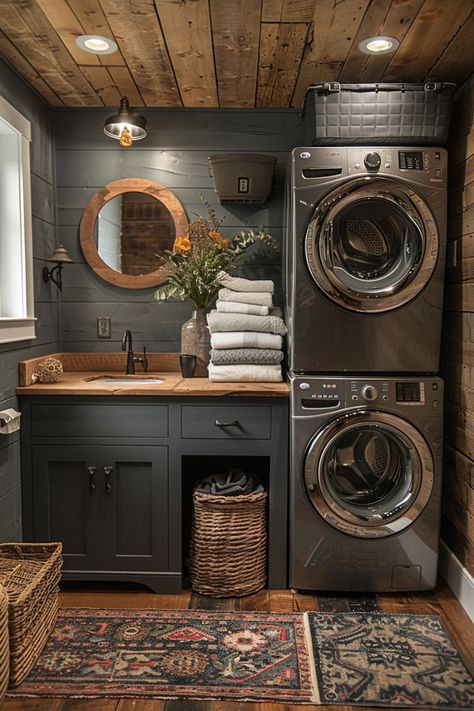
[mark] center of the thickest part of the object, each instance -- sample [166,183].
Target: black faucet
[132,359]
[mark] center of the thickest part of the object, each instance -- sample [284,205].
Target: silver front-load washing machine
[365,258]
[366,457]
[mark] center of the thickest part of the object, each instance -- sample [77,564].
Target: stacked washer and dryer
[364,270]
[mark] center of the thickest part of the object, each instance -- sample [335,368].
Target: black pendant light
[126,125]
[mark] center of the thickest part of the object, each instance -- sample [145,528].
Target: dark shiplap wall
[458,336]
[174,154]
[43,202]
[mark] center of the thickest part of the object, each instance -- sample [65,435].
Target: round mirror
[125,229]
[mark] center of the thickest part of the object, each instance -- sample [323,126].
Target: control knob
[372,161]
[369,392]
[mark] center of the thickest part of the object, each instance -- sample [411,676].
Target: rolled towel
[245,339]
[245,322]
[235,307]
[241,284]
[245,373]
[242,356]
[246,297]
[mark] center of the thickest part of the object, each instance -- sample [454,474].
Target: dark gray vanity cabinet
[108,505]
[112,478]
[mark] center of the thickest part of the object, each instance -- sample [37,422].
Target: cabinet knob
[92,471]
[234,423]
[108,477]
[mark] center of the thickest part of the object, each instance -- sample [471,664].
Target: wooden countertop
[79,369]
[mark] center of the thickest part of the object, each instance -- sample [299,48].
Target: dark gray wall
[174,154]
[46,310]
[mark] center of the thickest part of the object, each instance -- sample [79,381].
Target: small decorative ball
[48,371]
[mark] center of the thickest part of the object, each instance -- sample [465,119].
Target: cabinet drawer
[220,422]
[77,420]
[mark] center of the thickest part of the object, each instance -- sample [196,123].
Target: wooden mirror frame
[90,215]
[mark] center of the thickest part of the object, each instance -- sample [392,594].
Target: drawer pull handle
[108,475]
[92,471]
[234,423]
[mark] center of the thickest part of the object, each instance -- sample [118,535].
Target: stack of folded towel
[246,332]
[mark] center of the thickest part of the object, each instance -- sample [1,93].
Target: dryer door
[372,244]
[369,473]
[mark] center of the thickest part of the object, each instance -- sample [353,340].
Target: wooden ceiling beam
[187,30]
[236,36]
[392,18]
[136,28]
[25,25]
[334,29]
[17,60]
[288,10]
[92,18]
[435,25]
[281,49]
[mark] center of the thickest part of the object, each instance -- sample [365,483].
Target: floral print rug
[363,658]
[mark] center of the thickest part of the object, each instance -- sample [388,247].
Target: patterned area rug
[387,659]
[356,658]
[173,653]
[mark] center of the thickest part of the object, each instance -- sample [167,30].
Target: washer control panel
[312,394]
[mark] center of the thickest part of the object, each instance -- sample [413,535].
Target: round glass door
[372,245]
[369,474]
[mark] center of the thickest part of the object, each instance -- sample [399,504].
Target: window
[17,322]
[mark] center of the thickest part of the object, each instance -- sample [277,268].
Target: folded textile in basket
[245,339]
[245,322]
[241,284]
[245,373]
[236,307]
[242,356]
[263,298]
[234,483]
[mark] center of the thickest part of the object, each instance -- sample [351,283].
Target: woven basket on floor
[4,649]
[228,544]
[30,573]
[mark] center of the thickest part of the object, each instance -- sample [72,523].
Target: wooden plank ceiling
[228,53]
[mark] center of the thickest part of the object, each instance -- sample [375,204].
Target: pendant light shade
[126,125]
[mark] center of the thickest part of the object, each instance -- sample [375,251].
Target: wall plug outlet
[104,327]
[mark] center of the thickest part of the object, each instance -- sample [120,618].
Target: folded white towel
[246,339]
[245,322]
[245,373]
[246,297]
[235,307]
[241,284]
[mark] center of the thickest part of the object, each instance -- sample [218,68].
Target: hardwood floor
[441,601]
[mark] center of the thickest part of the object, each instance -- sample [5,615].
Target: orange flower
[182,244]
[218,239]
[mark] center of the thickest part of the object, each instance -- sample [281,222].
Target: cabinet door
[66,496]
[135,508]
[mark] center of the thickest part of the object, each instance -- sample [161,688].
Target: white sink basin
[124,380]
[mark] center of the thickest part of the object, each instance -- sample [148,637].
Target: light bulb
[379,45]
[125,139]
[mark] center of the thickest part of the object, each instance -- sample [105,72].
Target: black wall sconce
[59,257]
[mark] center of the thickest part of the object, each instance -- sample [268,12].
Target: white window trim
[22,329]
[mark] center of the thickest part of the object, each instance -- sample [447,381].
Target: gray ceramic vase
[196,340]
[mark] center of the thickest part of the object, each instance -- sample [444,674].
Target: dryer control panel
[311,394]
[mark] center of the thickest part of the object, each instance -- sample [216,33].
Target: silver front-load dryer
[365,258]
[365,488]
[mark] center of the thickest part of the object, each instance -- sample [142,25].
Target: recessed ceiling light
[379,45]
[96,44]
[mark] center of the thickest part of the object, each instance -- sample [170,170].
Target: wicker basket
[228,544]
[4,649]
[30,573]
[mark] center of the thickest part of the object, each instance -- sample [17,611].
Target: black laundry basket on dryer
[378,114]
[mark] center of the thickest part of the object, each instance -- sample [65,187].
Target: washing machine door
[369,473]
[372,244]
